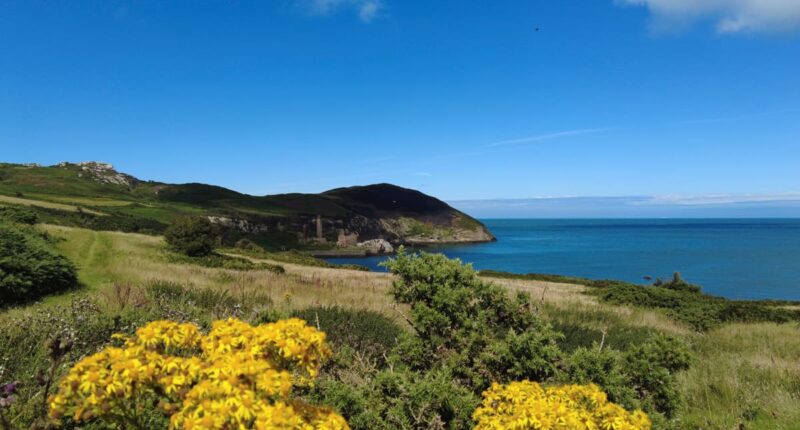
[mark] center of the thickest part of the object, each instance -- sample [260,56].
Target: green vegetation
[466,333]
[680,300]
[699,310]
[368,333]
[538,277]
[412,349]
[28,267]
[17,215]
[219,261]
[95,196]
[192,236]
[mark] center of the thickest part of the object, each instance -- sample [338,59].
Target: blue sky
[670,99]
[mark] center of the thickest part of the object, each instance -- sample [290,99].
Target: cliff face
[350,217]
[405,216]
[343,217]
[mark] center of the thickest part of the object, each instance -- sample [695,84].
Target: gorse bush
[527,406]
[643,377]
[236,376]
[29,269]
[471,326]
[192,236]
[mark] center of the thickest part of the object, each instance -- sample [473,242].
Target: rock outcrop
[102,172]
[376,246]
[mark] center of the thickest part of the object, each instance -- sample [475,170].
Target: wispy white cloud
[704,206]
[367,10]
[721,199]
[728,16]
[549,136]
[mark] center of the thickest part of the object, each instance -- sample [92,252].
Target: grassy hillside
[94,195]
[741,375]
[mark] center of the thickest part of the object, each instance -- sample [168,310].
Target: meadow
[741,375]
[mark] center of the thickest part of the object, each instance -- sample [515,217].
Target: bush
[236,376]
[526,405]
[605,368]
[677,283]
[471,326]
[18,215]
[35,343]
[400,399]
[192,236]
[247,244]
[699,310]
[652,367]
[367,332]
[29,269]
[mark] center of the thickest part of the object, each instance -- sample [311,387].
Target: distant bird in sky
[537,29]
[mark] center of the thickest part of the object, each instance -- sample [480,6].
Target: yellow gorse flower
[235,377]
[528,406]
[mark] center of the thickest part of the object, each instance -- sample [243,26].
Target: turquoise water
[735,258]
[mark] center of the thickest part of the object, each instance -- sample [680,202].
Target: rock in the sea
[376,246]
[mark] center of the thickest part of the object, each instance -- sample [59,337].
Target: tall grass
[744,376]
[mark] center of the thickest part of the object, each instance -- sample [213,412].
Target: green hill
[96,196]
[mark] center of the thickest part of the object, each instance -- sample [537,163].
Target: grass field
[45,204]
[742,375]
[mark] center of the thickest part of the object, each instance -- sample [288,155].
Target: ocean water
[734,258]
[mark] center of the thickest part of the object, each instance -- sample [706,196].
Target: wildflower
[234,377]
[527,406]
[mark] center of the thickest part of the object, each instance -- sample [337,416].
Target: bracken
[235,377]
[527,406]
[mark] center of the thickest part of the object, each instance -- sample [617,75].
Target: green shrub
[468,325]
[605,368]
[677,283]
[651,368]
[35,344]
[18,215]
[699,310]
[643,377]
[400,399]
[368,332]
[192,236]
[247,244]
[29,269]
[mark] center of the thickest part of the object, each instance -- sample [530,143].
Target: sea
[733,258]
